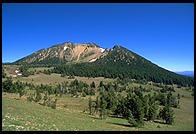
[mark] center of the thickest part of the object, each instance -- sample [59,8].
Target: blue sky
[160,32]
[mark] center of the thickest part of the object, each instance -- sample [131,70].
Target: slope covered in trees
[123,63]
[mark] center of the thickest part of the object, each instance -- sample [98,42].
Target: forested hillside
[123,63]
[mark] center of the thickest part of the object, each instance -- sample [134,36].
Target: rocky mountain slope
[65,53]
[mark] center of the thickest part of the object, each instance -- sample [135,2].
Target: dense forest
[119,63]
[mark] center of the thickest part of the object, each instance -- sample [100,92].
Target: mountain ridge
[90,60]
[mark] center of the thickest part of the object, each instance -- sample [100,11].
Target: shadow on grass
[114,116]
[160,122]
[124,125]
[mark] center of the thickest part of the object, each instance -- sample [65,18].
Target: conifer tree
[92,91]
[7,85]
[97,105]
[53,105]
[45,98]
[92,85]
[103,104]
[134,104]
[167,114]
[90,105]
[101,84]
[146,105]
[38,96]
[131,119]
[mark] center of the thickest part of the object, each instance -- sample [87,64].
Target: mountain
[65,53]
[186,73]
[90,60]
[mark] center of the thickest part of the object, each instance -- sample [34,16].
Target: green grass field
[54,79]
[19,114]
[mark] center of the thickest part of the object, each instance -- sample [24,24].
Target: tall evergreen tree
[131,119]
[134,104]
[90,106]
[92,85]
[38,95]
[97,105]
[3,73]
[7,85]
[101,84]
[103,104]
[146,105]
[167,114]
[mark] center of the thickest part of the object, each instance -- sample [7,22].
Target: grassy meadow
[19,114]
[71,114]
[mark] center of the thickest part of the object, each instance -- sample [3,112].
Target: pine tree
[131,119]
[111,99]
[169,98]
[45,98]
[92,85]
[3,73]
[7,85]
[20,88]
[101,84]
[152,107]
[134,104]
[120,107]
[97,105]
[103,104]
[167,114]
[30,97]
[152,112]
[178,96]
[146,105]
[53,105]
[92,91]
[90,105]
[38,96]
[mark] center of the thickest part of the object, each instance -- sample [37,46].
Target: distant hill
[90,60]
[186,73]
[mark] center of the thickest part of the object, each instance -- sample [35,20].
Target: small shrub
[30,98]
[53,105]
[83,94]
[182,96]
[158,126]
[65,106]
